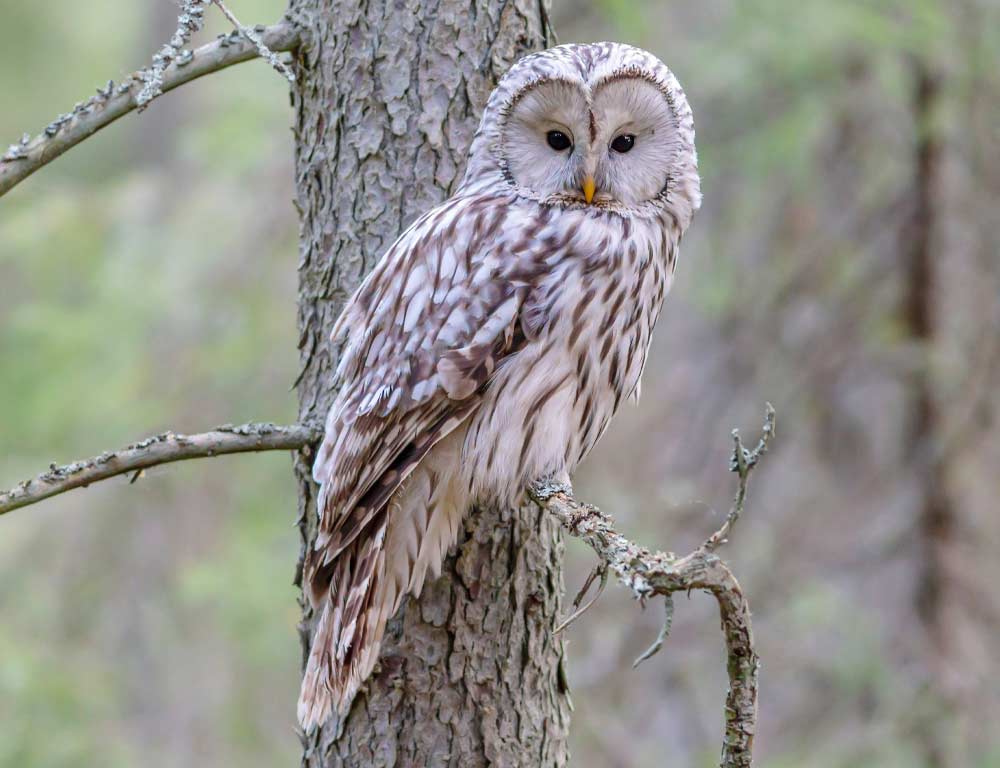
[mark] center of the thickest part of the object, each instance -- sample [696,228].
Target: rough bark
[387,100]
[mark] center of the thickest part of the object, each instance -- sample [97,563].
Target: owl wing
[421,337]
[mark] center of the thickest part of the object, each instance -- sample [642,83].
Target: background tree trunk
[937,523]
[387,100]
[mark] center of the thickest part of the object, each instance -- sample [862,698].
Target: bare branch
[668,622]
[742,463]
[114,101]
[161,449]
[601,569]
[649,574]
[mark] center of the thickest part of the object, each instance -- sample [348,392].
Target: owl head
[603,125]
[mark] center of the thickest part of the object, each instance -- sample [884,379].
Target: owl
[497,337]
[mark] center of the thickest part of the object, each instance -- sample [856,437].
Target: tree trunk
[387,100]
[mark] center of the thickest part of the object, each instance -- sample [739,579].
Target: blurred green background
[147,282]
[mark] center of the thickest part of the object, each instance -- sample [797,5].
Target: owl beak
[589,187]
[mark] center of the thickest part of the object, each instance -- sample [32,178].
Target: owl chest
[599,337]
[588,324]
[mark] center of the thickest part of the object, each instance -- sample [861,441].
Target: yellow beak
[589,187]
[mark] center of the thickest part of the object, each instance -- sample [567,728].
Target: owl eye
[558,140]
[623,143]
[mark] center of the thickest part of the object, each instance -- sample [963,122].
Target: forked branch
[116,100]
[649,574]
[161,449]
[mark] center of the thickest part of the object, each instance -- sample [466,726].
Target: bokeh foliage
[147,282]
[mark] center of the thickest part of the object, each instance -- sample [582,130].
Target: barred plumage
[497,337]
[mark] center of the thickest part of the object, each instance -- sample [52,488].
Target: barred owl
[496,338]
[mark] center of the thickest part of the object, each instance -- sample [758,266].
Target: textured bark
[387,100]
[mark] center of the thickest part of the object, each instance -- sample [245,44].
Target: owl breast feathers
[496,338]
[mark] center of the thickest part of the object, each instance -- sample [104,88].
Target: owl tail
[351,623]
[363,586]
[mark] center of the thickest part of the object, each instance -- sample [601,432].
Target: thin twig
[253,35]
[190,20]
[647,574]
[668,621]
[161,449]
[114,101]
[599,570]
[742,463]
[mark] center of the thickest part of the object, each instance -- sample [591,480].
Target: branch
[649,574]
[189,22]
[112,102]
[161,449]
[253,35]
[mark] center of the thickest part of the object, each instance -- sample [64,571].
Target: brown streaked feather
[332,673]
[423,335]
[348,525]
[384,415]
